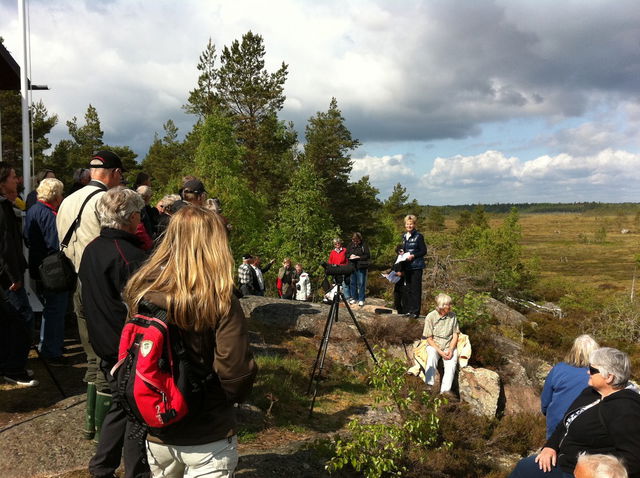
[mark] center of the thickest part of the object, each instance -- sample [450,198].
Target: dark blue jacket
[415,245]
[40,235]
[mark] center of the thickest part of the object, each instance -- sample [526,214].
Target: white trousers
[211,460]
[449,368]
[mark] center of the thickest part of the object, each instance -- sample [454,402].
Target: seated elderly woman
[441,333]
[599,466]
[566,380]
[605,418]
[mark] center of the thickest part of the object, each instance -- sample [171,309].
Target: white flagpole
[26,154]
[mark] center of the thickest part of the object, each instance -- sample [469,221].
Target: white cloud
[610,175]
[385,171]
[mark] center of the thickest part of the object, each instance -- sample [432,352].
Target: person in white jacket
[302,284]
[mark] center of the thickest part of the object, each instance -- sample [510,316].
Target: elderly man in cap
[78,214]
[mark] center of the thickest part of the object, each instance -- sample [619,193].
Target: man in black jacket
[107,263]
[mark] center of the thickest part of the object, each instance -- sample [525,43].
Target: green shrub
[378,449]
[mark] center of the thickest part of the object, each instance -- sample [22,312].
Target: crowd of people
[130,256]
[127,253]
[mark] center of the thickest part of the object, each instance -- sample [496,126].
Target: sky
[460,101]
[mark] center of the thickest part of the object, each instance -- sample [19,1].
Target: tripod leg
[360,329]
[321,347]
[322,353]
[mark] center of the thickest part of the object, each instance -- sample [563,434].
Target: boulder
[307,318]
[480,388]
[504,314]
[521,399]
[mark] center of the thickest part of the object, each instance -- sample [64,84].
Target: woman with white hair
[441,332]
[599,466]
[605,418]
[41,236]
[566,380]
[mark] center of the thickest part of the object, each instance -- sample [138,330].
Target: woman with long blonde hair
[190,275]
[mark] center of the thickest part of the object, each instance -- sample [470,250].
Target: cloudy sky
[472,101]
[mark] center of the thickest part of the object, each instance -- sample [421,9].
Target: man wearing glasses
[106,172]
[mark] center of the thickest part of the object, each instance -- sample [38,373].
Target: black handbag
[57,272]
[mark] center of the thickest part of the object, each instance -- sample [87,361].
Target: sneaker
[361,303]
[23,379]
[352,301]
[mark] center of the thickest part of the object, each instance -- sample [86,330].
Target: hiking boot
[22,379]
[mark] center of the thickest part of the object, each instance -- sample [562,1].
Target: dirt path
[49,444]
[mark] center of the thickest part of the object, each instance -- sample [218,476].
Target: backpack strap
[76,223]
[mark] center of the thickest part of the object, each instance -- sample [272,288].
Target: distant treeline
[523,208]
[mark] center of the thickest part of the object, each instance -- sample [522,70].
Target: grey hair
[116,207]
[337,239]
[614,362]
[581,350]
[602,466]
[49,189]
[169,199]
[442,300]
[145,192]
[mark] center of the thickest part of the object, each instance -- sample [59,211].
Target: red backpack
[152,372]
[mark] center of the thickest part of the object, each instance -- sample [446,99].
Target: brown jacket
[225,352]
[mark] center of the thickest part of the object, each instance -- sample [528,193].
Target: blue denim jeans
[358,284]
[528,468]
[52,327]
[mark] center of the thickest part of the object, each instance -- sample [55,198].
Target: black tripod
[318,365]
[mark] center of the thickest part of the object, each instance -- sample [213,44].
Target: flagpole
[26,154]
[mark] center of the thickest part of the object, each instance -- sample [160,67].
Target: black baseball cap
[194,186]
[107,160]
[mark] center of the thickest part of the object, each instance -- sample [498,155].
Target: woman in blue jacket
[414,246]
[41,236]
[565,381]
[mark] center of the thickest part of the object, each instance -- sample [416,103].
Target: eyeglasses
[593,370]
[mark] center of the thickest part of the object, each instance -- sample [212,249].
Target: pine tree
[251,96]
[202,100]
[328,147]
[167,158]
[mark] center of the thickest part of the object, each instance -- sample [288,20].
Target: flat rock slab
[309,318]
